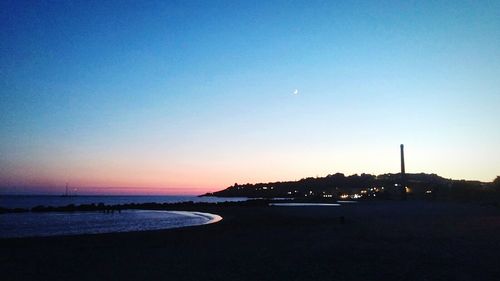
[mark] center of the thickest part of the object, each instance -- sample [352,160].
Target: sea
[28,224]
[30,201]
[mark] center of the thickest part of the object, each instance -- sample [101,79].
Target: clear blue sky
[190,96]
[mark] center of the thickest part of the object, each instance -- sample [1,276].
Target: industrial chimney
[403,174]
[402,161]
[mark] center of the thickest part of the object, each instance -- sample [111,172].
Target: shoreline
[212,218]
[55,224]
[390,240]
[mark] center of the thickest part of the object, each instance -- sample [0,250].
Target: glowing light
[304,204]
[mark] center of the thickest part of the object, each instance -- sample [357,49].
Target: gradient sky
[184,97]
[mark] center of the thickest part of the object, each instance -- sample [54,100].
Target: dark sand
[378,241]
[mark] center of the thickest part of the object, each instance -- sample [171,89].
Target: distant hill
[339,186]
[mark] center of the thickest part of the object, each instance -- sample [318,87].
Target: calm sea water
[21,201]
[51,224]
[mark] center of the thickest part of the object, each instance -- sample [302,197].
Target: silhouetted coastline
[366,186]
[101,207]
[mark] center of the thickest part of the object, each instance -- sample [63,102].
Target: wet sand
[390,240]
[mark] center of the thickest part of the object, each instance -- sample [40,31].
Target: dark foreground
[376,241]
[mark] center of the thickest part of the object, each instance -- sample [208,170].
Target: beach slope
[388,240]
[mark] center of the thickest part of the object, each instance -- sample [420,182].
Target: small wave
[211,218]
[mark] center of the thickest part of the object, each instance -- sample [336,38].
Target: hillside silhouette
[339,186]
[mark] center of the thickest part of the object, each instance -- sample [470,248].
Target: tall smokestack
[403,174]
[402,160]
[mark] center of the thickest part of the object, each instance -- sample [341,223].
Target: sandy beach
[378,240]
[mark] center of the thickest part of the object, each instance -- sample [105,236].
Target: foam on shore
[211,218]
[31,224]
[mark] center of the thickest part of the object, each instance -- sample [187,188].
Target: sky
[187,97]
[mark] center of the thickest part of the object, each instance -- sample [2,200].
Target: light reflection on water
[304,204]
[51,224]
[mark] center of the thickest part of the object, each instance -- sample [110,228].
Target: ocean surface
[30,201]
[74,223]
